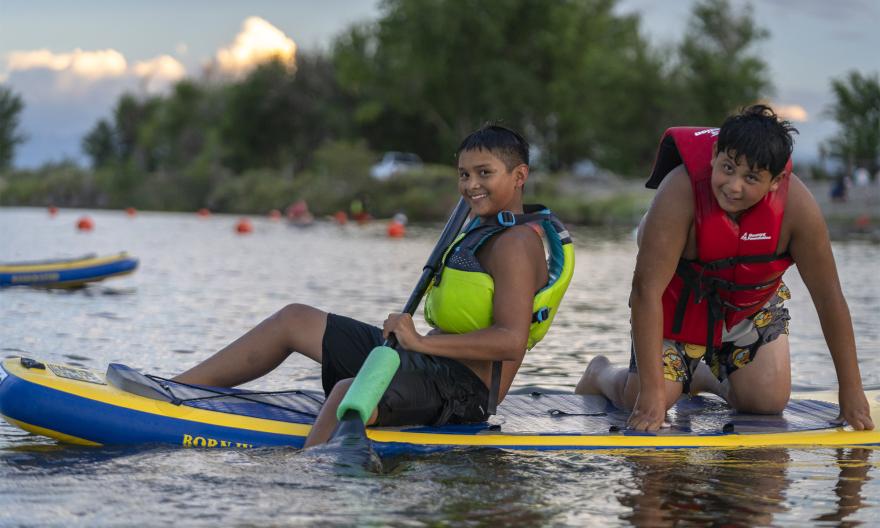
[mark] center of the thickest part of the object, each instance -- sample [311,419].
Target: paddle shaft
[374,376]
[450,231]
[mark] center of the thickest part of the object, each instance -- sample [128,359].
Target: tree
[281,113]
[568,73]
[857,110]
[100,144]
[718,73]
[10,110]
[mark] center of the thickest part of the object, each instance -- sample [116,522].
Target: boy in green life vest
[493,299]
[728,219]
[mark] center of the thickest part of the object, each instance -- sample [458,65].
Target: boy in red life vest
[728,219]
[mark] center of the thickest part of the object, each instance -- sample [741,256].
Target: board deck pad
[536,413]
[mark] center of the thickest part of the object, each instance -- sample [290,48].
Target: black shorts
[426,390]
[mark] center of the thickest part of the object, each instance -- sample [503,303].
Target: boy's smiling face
[487,185]
[737,186]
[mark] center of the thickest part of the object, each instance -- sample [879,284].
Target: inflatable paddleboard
[125,407]
[66,273]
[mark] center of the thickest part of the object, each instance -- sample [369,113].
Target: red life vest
[737,270]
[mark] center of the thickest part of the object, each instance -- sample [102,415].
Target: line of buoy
[396,227]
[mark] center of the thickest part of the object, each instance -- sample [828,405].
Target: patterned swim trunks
[738,344]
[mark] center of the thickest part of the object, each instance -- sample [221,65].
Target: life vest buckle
[506,218]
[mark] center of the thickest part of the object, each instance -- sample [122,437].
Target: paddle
[374,376]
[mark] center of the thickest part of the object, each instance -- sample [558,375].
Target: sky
[70,61]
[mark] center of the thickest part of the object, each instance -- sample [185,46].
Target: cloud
[794,113]
[86,64]
[159,73]
[258,41]
[65,93]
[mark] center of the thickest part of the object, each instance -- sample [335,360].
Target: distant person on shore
[728,219]
[494,298]
[840,189]
[298,213]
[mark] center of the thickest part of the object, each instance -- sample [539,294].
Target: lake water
[200,285]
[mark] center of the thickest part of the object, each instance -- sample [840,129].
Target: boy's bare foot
[589,382]
[704,381]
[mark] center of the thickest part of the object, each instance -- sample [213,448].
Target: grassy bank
[338,177]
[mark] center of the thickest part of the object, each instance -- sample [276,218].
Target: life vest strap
[701,287]
[714,265]
[494,388]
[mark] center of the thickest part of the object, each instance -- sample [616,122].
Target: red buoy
[396,229]
[204,212]
[275,215]
[244,226]
[130,211]
[85,223]
[53,211]
[340,217]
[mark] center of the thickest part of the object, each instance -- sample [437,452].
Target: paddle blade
[369,385]
[348,452]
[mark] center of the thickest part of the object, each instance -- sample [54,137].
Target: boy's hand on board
[648,414]
[854,408]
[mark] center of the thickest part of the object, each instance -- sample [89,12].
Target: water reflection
[731,487]
[707,487]
[854,467]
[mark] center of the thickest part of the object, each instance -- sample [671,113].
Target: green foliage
[257,190]
[278,115]
[339,174]
[718,73]
[857,110]
[621,207]
[100,144]
[429,193]
[564,72]
[53,183]
[10,114]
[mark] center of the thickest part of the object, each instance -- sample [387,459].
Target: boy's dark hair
[509,146]
[758,134]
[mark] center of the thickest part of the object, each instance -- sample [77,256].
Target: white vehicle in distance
[394,163]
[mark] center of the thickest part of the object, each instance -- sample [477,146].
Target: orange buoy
[85,223]
[244,226]
[396,229]
[204,212]
[340,217]
[130,211]
[53,211]
[275,215]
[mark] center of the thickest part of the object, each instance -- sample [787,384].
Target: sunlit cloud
[86,64]
[258,41]
[793,113]
[159,73]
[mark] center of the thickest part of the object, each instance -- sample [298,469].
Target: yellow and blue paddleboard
[66,273]
[124,407]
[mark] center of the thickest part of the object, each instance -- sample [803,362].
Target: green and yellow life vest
[460,298]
